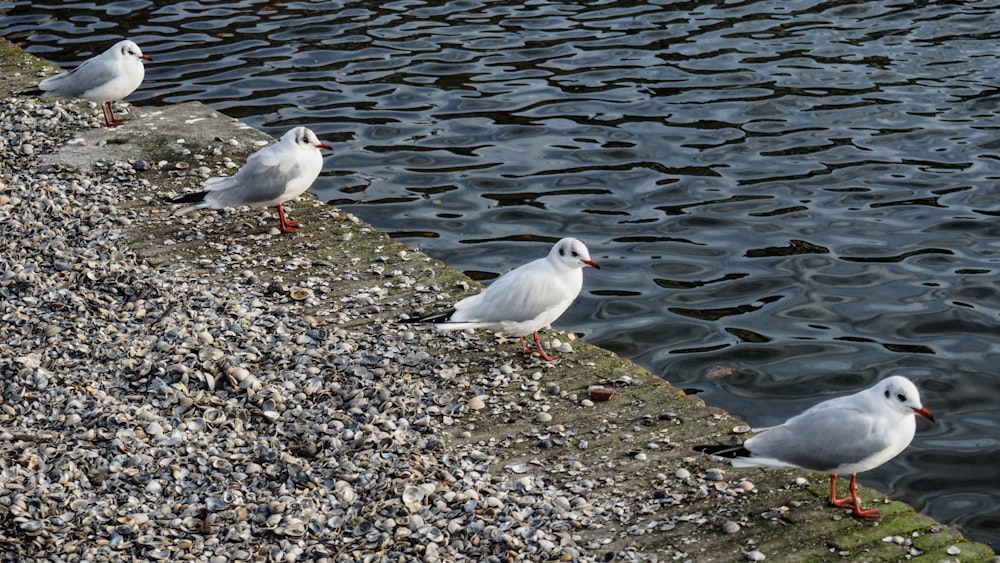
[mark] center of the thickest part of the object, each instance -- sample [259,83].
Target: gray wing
[517,296]
[91,74]
[821,441]
[261,180]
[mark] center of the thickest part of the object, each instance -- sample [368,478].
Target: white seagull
[271,176]
[523,300]
[850,434]
[110,76]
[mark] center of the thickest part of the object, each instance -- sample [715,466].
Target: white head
[128,50]
[572,253]
[900,394]
[303,137]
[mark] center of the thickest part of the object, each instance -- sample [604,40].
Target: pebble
[755,555]
[730,527]
[715,474]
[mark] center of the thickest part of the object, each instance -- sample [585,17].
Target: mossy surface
[20,69]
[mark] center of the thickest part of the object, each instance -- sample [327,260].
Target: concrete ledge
[635,447]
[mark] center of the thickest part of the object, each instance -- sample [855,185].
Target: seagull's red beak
[324,146]
[145,58]
[925,413]
[592,264]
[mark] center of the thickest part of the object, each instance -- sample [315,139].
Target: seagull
[271,176]
[110,76]
[523,300]
[850,434]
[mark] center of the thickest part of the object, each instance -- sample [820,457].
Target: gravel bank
[191,413]
[201,388]
[156,415]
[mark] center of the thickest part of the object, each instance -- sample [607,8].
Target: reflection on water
[799,191]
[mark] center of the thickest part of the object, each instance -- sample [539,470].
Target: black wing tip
[193,197]
[33,91]
[435,318]
[725,450]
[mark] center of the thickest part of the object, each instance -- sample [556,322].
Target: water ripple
[799,192]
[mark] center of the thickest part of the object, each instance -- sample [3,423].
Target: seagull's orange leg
[286,225]
[844,502]
[541,351]
[858,511]
[112,121]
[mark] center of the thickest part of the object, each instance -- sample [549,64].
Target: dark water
[800,193]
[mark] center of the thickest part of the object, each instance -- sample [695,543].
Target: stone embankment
[203,388]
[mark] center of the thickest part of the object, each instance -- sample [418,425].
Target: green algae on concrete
[20,69]
[637,446]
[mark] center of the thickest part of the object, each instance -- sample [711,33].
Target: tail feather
[728,451]
[441,317]
[33,91]
[197,198]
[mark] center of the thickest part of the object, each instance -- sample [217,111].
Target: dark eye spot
[901,397]
[886,393]
[562,252]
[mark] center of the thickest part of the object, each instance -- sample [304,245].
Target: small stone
[682,474]
[801,481]
[715,474]
[543,417]
[755,555]
[730,527]
[953,550]
[477,403]
[601,393]
[27,149]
